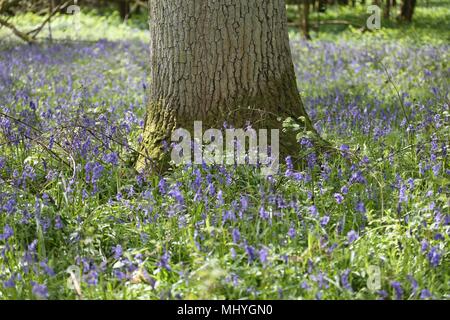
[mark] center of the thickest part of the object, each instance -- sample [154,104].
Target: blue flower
[344,280]
[10,283]
[425,294]
[313,210]
[8,232]
[397,289]
[339,198]
[250,253]
[263,254]
[324,220]
[236,235]
[164,261]
[360,207]
[117,251]
[352,236]
[39,290]
[291,233]
[434,256]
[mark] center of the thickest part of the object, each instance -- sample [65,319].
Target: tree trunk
[407,10]
[219,61]
[387,9]
[124,9]
[304,19]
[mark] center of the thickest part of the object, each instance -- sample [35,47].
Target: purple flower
[352,236]
[263,254]
[48,270]
[92,278]
[250,252]
[39,290]
[339,198]
[344,190]
[162,186]
[313,210]
[58,222]
[111,158]
[383,294]
[360,207]
[424,245]
[164,261]
[434,256]
[236,235]
[321,281]
[8,232]
[177,195]
[344,280]
[291,233]
[264,214]
[117,251]
[10,283]
[324,220]
[244,203]
[397,289]
[425,294]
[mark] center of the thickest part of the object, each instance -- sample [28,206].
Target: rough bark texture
[218,61]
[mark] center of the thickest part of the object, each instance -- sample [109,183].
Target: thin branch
[17,32]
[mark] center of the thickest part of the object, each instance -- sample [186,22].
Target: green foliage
[71,214]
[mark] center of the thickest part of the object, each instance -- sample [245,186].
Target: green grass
[396,172]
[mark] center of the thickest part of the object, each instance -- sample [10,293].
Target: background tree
[218,61]
[407,10]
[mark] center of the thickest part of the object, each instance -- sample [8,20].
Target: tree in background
[124,9]
[407,10]
[217,61]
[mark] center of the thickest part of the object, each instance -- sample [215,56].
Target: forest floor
[371,223]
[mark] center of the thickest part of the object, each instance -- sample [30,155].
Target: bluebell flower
[360,207]
[164,261]
[425,294]
[236,235]
[352,236]
[250,253]
[397,289]
[434,256]
[263,254]
[39,290]
[291,233]
[424,245]
[324,220]
[58,222]
[10,283]
[48,270]
[313,210]
[162,186]
[8,232]
[117,251]
[339,198]
[344,280]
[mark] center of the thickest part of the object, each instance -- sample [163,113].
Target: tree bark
[305,19]
[217,61]
[387,9]
[124,9]
[407,10]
